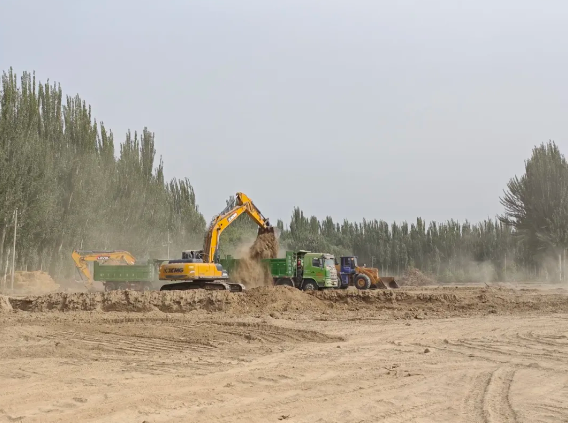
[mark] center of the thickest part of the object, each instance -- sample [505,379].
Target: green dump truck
[135,277]
[301,269]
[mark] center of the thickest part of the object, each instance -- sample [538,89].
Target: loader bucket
[380,285]
[390,282]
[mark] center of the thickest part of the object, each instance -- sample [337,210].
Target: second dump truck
[135,277]
[300,269]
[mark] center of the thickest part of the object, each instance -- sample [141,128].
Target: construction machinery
[361,277]
[82,259]
[301,269]
[200,269]
[134,277]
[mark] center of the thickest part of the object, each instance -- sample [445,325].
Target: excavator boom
[243,205]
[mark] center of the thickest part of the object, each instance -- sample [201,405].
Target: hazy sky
[375,109]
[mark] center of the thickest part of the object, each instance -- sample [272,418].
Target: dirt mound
[414,277]
[296,304]
[250,270]
[262,299]
[34,283]
[5,305]
[281,299]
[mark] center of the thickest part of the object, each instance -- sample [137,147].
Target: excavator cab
[192,255]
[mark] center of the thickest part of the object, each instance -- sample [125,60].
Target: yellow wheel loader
[351,274]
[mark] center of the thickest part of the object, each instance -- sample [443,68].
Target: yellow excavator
[199,269]
[82,257]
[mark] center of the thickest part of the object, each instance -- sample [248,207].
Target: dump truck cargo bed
[139,277]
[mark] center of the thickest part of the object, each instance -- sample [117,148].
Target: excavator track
[216,285]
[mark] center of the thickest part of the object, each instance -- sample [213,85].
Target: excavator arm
[243,205]
[82,257]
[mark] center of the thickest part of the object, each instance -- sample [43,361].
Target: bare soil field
[427,354]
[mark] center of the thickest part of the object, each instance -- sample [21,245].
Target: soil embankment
[331,304]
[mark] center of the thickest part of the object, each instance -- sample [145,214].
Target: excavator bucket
[389,282]
[267,230]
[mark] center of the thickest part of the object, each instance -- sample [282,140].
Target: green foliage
[448,250]
[536,204]
[58,168]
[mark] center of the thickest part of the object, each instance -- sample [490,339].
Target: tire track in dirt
[365,389]
[557,413]
[483,347]
[280,334]
[128,344]
[474,400]
[407,414]
[549,340]
[196,338]
[496,399]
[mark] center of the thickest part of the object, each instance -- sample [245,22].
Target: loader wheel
[362,282]
[309,286]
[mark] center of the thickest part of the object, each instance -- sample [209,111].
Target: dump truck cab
[317,267]
[304,270]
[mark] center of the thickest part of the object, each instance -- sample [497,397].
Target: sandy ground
[427,355]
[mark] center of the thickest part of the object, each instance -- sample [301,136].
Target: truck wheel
[309,286]
[284,282]
[362,282]
[109,286]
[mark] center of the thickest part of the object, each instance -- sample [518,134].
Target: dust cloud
[250,271]
[30,283]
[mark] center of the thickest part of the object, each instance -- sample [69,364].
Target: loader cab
[348,264]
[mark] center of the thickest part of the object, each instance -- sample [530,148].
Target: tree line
[73,187]
[59,170]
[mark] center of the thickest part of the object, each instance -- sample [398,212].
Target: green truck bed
[124,273]
[279,267]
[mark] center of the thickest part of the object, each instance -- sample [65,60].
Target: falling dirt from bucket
[250,271]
